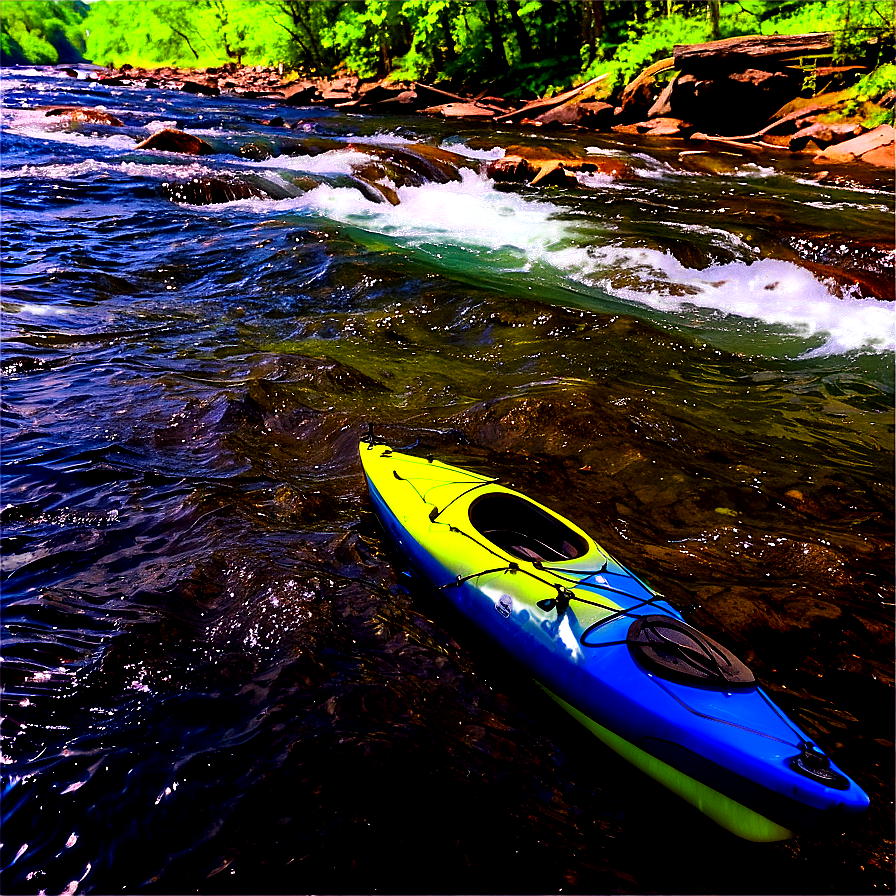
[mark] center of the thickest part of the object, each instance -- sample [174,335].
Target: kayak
[675,703]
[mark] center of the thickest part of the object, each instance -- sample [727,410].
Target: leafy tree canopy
[42,33]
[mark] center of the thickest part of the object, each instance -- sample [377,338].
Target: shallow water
[214,678]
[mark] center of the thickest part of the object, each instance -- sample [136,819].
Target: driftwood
[804,112]
[427,92]
[539,106]
[647,76]
[755,48]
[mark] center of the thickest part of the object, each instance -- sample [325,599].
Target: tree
[42,32]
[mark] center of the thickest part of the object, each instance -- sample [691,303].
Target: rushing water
[215,680]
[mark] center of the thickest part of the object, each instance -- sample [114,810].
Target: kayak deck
[607,647]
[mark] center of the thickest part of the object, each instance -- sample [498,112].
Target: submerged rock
[214,190]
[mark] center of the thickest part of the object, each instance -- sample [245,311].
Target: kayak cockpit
[524,530]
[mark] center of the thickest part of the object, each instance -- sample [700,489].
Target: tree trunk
[450,52]
[522,36]
[756,47]
[714,18]
[494,27]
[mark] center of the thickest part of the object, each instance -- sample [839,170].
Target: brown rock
[416,164]
[554,174]
[590,114]
[663,105]
[823,135]
[203,88]
[668,127]
[874,148]
[93,116]
[300,93]
[546,172]
[511,168]
[171,140]
[732,102]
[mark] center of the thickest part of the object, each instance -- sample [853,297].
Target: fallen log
[820,105]
[427,92]
[736,51]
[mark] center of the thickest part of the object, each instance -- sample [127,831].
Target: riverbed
[216,680]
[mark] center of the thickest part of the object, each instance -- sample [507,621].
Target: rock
[202,88]
[511,168]
[732,102]
[668,127]
[301,93]
[258,150]
[416,164]
[823,135]
[372,94]
[663,105]
[213,190]
[172,140]
[874,148]
[93,116]
[339,90]
[542,166]
[554,174]
[657,127]
[590,114]
[210,191]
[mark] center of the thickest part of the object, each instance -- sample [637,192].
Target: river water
[214,678]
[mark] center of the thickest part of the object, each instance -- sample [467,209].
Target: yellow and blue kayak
[672,701]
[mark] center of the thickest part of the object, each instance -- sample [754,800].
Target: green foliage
[189,33]
[42,33]
[648,42]
[520,48]
[866,93]
[876,85]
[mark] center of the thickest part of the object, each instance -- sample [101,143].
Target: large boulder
[728,103]
[546,166]
[874,148]
[591,114]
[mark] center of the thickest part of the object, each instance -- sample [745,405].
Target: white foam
[336,161]
[776,292]
[156,125]
[100,169]
[112,141]
[468,213]
[456,145]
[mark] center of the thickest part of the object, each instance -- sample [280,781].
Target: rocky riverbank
[747,92]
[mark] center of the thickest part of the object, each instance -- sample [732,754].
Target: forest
[520,48]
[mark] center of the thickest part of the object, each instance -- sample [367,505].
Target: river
[214,678]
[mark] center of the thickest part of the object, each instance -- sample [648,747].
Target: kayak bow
[672,701]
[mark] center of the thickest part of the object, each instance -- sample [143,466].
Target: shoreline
[796,129]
